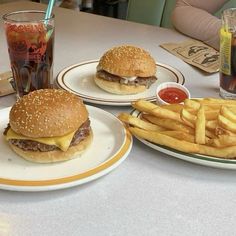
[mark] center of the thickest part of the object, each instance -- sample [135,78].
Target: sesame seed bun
[47,113]
[128,61]
[56,155]
[125,61]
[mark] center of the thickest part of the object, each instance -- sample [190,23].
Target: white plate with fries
[78,79]
[201,131]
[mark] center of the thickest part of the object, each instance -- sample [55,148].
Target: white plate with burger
[123,74]
[53,142]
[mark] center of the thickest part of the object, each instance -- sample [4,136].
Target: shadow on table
[40,196]
[169,165]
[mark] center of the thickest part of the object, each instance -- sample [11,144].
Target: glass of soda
[228,54]
[30,40]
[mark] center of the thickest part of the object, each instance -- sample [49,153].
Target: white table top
[150,193]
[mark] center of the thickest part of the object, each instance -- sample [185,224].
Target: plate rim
[60,77]
[60,183]
[190,157]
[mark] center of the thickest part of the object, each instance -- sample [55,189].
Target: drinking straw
[47,16]
[49,10]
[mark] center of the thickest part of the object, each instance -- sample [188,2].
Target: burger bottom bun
[56,155]
[118,88]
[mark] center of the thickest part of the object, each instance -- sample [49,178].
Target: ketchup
[172,95]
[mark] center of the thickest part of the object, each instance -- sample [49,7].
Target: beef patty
[29,145]
[146,81]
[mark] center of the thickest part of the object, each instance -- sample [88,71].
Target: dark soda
[30,48]
[228,82]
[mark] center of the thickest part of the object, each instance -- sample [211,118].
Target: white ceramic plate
[78,79]
[194,158]
[111,145]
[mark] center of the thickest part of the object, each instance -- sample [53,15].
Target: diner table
[150,193]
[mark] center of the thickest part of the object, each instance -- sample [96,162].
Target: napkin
[5,83]
[195,53]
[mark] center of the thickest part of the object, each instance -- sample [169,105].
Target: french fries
[211,124]
[139,123]
[202,126]
[189,103]
[165,140]
[189,118]
[227,113]
[153,109]
[226,123]
[223,141]
[211,114]
[173,107]
[179,135]
[168,124]
[218,101]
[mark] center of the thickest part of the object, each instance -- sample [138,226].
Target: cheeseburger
[125,70]
[48,125]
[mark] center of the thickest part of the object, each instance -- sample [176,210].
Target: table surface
[150,193]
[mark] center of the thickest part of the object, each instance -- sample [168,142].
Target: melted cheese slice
[62,142]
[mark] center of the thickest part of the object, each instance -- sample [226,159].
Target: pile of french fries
[203,126]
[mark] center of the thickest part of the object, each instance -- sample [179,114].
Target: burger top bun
[47,113]
[128,61]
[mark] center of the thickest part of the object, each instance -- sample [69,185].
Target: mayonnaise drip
[128,79]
